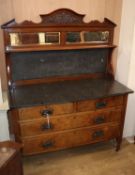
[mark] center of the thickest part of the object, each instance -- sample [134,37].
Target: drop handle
[99,120]
[46,112]
[45,126]
[101,105]
[48,144]
[98,134]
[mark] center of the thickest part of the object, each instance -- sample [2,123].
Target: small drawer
[102,103]
[70,121]
[72,138]
[44,111]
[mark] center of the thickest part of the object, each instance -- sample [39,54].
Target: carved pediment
[65,17]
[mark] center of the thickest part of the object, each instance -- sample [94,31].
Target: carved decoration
[62,16]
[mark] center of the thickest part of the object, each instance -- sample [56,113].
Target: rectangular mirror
[52,37]
[18,39]
[96,37]
[73,37]
[28,38]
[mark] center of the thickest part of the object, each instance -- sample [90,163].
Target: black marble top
[67,91]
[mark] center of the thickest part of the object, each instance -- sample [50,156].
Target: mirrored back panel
[53,38]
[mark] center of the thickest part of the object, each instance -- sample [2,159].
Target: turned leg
[118,143]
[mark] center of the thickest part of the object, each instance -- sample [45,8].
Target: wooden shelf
[29,48]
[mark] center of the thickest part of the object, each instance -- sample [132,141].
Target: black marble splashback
[30,65]
[67,91]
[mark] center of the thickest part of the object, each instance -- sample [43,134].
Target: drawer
[102,103]
[40,111]
[56,141]
[65,122]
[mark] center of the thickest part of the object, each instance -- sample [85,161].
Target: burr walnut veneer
[62,91]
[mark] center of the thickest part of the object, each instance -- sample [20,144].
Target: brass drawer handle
[48,144]
[98,134]
[46,126]
[99,120]
[101,105]
[46,112]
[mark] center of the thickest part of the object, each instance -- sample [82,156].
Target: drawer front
[65,122]
[56,141]
[43,111]
[100,103]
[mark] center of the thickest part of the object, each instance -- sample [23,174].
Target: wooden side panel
[14,124]
[119,138]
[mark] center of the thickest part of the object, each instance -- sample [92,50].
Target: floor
[98,159]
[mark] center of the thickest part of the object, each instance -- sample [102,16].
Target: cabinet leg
[118,144]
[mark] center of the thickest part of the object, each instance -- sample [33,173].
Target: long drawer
[70,121]
[72,138]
